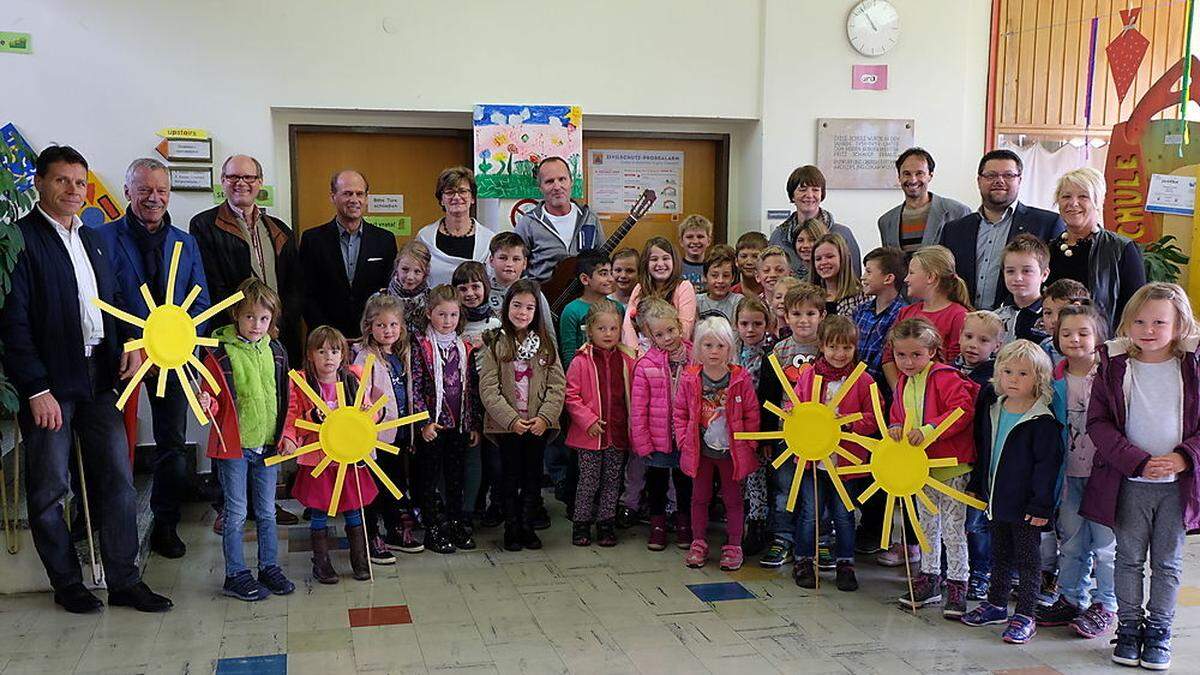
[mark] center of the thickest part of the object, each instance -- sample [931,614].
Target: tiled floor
[561,609]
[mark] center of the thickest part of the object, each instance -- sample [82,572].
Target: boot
[512,537]
[683,529]
[359,566]
[322,569]
[658,533]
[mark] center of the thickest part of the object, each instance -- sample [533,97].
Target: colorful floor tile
[275,664]
[721,590]
[389,615]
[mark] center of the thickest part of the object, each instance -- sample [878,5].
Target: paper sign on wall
[401,226]
[265,196]
[873,77]
[15,43]
[617,179]
[1171,194]
[385,203]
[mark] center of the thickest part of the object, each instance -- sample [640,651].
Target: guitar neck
[615,239]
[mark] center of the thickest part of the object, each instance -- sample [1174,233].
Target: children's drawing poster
[17,160]
[511,139]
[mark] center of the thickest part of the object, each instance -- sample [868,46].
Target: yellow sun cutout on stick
[902,471]
[169,338]
[348,434]
[812,431]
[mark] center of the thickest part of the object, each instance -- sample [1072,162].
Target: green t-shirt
[572,331]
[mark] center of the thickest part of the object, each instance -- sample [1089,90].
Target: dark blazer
[960,236]
[329,297]
[40,324]
[127,265]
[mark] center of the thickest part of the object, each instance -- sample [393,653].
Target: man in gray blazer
[919,219]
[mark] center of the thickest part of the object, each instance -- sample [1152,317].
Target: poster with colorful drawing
[511,139]
[16,175]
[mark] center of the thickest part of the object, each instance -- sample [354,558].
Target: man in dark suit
[977,240]
[66,359]
[345,260]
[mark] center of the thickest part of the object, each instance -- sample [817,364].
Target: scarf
[481,313]
[442,344]
[150,245]
[830,374]
[396,289]
[529,347]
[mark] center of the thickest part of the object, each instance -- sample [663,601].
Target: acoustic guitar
[563,285]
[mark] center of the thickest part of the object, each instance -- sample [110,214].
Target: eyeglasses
[249,180]
[992,175]
[461,192]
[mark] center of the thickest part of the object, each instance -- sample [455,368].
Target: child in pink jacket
[655,377]
[597,400]
[715,401]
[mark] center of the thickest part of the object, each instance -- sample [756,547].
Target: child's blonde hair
[918,329]
[1024,350]
[989,319]
[257,294]
[655,309]
[846,282]
[1185,321]
[599,309]
[714,326]
[695,221]
[418,251]
[939,261]
[377,304]
[772,251]
[836,329]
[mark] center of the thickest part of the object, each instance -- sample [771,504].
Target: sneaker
[955,604]
[825,559]
[697,554]
[978,587]
[1048,590]
[1127,645]
[243,586]
[219,523]
[658,533]
[273,579]
[405,541]
[1061,613]
[581,534]
[437,541]
[804,573]
[778,554]
[925,592]
[1095,621]
[1021,629]
[731,557]
[460,534]
[867,546]
[1156,647]
[986,614]
[894,556]
[846,581]
[378,550]
[284,517]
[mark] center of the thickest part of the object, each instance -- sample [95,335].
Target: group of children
[1084,450]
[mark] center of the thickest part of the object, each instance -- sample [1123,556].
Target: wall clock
[873,27]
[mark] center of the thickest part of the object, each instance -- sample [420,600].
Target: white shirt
[1154,415]
[564,226]
[90,318]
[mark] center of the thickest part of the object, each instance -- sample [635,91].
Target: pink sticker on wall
[869,77]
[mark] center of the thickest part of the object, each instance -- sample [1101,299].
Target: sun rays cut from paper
[169,338]
[347,434]
[812,432]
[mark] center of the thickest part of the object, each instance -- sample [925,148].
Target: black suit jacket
[40,324]
[329,297]
[960,236]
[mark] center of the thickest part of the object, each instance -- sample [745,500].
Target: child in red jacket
[838,337]
[715,400]
[597,399]
[931,391]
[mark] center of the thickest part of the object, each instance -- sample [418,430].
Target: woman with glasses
[456,237]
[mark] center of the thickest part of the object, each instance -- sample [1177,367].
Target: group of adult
[67,359]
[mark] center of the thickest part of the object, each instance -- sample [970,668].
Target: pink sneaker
[894,556]
[698,554]
[731,558]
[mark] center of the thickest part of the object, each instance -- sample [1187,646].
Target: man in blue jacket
[977,240]
[142,244]
[66,359]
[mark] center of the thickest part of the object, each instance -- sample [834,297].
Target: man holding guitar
[558,227]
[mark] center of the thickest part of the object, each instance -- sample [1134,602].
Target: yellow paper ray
[847,455]
[869,492]
[848,419]
[889,509]
[787,386]
[916,523]
[837,484]
[173,271]
[383,477]
[374,408]
[927,502]
[133,383]
[134,345]
[208,377]
[774,409]
[160,389]
[955,494]
[207,341]
[783,457]
[941,427]
[309,393]
[307,425]
[864,441]
[361,394]
[321,466]
[408,419]
[848,384]
[942,462]
[796,478]
[337,489]
[340,388]
[302,450]
[759,436]
[815,394]
[387,447]
[191,297]
[880,420]
[119,313]
[148,298]
[191,396]
[217,308]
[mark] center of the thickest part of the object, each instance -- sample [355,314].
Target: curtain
[1043,168]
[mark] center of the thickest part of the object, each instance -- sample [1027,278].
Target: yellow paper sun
[169,338]
[348,434]
[902,471]
[812,431]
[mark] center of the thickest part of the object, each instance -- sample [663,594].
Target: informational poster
[617,178]
[1171,194]
[510,140]
[860,154]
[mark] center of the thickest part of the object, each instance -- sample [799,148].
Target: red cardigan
[945,390]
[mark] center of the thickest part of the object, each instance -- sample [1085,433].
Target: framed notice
[191,179]
[860,154]
[185,149]
[617,179]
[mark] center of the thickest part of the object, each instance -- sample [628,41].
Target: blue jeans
[782,522]
[1082,543]
[979,544]
[831,505]
[233,474]
[320,519]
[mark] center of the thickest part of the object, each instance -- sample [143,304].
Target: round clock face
[873,27]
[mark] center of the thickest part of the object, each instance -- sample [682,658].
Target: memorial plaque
[860,154]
